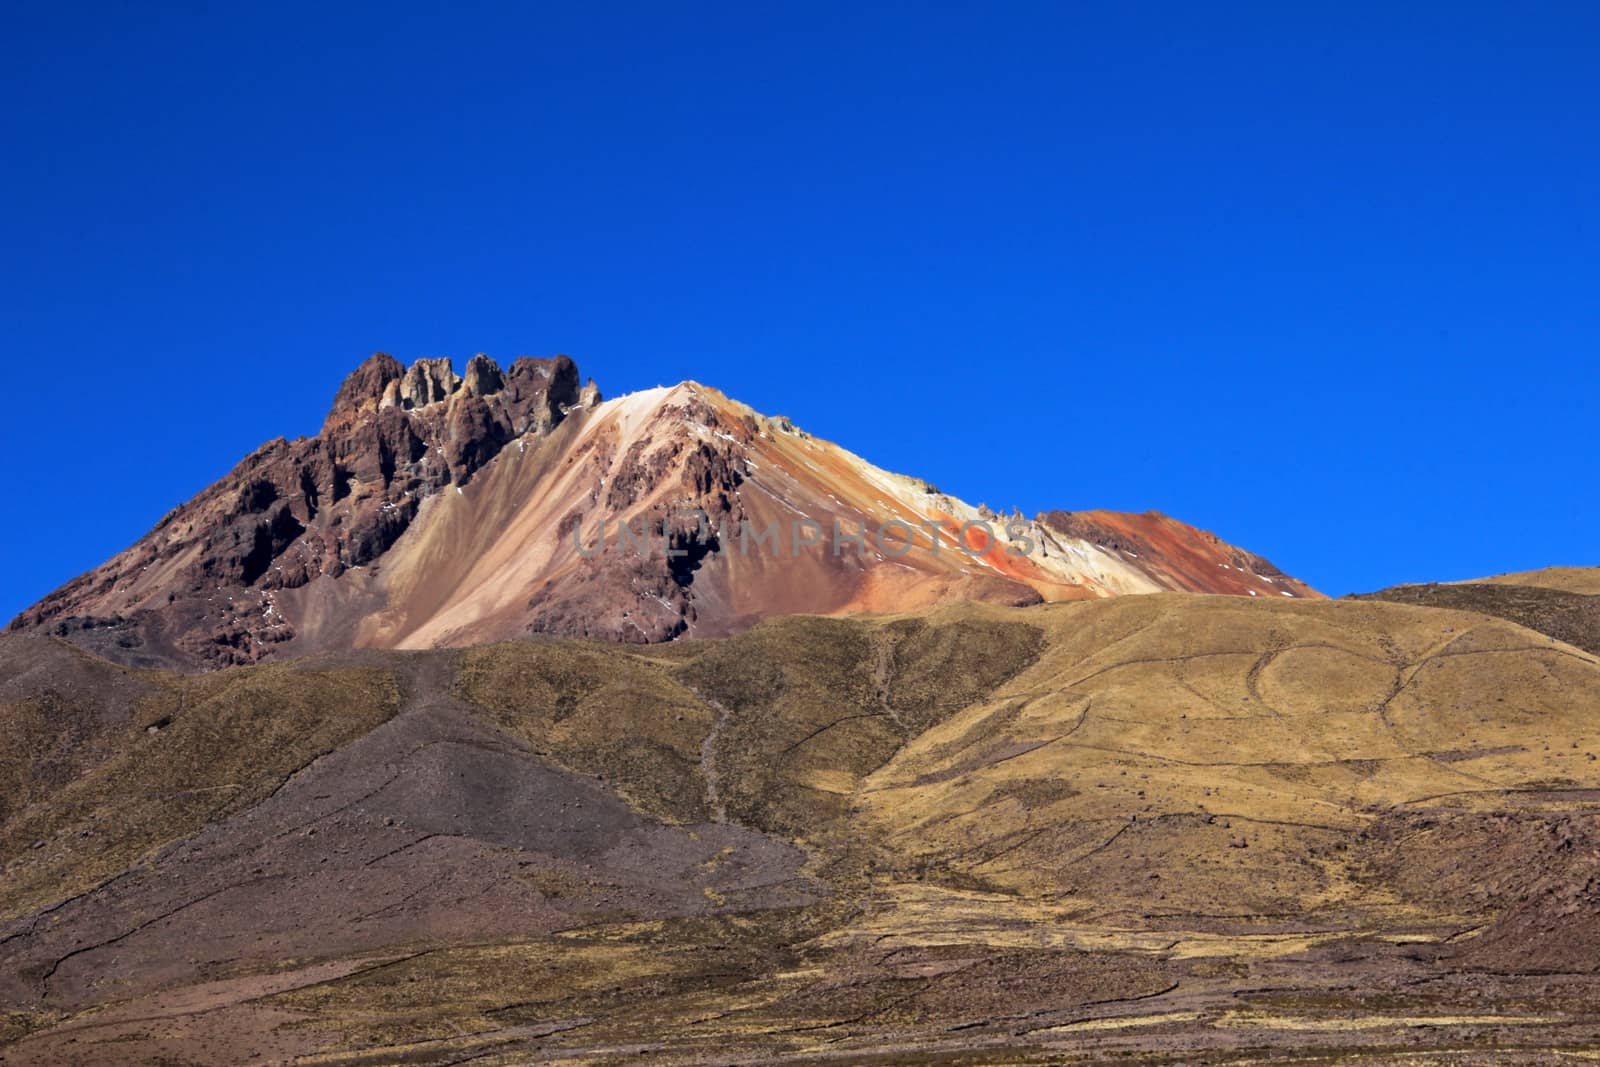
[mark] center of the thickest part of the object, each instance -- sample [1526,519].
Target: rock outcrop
[199,587]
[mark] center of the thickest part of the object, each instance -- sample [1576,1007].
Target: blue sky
[1323,280]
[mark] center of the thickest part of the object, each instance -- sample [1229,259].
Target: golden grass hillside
[1150,829]
[1584,580]
[1546,604]
[1220,758]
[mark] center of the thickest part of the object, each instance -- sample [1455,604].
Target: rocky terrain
[201,587]
[392,747]
[1145,829]
[444,510]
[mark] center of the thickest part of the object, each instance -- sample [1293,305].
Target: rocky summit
[203,586]
[437,509]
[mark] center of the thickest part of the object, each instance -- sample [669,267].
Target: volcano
[437,509]
[923,784]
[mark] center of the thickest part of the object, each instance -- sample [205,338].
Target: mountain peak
[382,382]
[362,390]
[437,508]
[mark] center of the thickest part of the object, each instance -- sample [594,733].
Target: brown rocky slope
[439,510]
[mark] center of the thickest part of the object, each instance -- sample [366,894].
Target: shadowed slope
[1584,580]
[1545,602]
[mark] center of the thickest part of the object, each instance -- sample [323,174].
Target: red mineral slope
[442,510]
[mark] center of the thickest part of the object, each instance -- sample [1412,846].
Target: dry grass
[194,750]
[1040,828]
[600,710]
[1565,614]
[1585,580]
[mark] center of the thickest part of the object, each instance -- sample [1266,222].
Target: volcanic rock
[437,509]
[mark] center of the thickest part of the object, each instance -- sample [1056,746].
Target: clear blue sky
[1323,279]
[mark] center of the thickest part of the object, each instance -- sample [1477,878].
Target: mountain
[1144,829]
[443,510]
[927,806]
